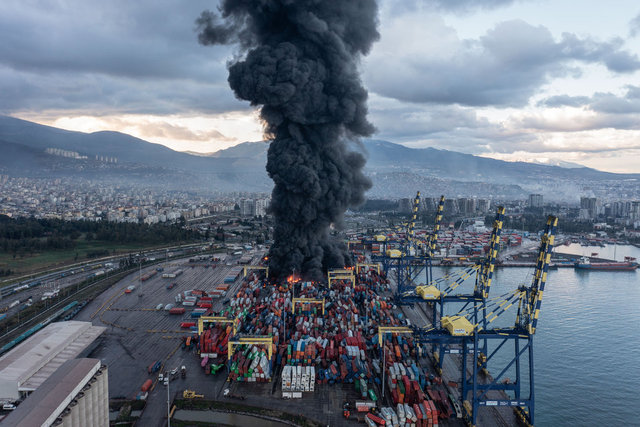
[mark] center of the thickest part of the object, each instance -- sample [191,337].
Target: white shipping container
[401,416]
[312,379]
[305,379]
[286,379]
[409,413]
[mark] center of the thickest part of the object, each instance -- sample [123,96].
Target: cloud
[467,5]
[564,101]
[505,67]
[448,127]
[600,102]
[131,57]
[634,26]
[578,122]
[171,131]
[589,50]
[447,6]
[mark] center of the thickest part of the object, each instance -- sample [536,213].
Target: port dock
[141,333]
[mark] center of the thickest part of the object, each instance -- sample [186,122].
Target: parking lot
[138,335]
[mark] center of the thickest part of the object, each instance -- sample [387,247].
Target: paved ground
[138,335]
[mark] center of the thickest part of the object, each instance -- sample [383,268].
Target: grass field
[27,264]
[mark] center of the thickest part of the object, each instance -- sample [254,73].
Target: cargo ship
[628,264]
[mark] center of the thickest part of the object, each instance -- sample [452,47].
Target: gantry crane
[435,292]
[341,274]
[480,293]
[468,330]
[247,268]
[265,341]
[307,301]
[521,334]
[411,258]
[204,320]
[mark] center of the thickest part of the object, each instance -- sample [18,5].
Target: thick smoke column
[301,67]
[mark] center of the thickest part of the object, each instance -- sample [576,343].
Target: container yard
[225,331]
[326,343]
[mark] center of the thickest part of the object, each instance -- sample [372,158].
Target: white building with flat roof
[76,395]
[27,366]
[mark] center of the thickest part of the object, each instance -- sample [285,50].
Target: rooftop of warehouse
[54,395]
[36,359]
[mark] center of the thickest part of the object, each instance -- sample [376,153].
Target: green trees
[28,235]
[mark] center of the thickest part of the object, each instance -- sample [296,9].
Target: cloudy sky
[535,80]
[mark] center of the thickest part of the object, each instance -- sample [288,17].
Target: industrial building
[535,201]
[75,395]
[29,365]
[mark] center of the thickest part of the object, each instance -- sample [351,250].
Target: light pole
[168,404]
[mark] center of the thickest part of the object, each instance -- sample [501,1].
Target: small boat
[586,264]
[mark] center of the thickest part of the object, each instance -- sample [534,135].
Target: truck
[183,371]
[190,394]
[154,367]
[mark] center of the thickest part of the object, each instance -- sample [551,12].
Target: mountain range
[395,170]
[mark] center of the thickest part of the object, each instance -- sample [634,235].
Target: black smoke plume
[300,63]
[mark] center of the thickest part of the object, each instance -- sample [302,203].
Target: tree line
[28,235]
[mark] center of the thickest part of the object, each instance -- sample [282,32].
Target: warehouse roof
[29,364]
[54,395]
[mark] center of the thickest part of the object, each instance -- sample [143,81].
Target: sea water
[587,342]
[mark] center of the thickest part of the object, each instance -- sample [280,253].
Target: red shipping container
[376,419]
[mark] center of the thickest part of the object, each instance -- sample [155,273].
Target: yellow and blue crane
[481,289]
[410,258]
[439,292]
[471,331]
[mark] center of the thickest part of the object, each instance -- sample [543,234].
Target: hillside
[395,170]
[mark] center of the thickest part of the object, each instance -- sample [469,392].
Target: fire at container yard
[308,336]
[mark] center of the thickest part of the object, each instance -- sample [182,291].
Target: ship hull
[621,266]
